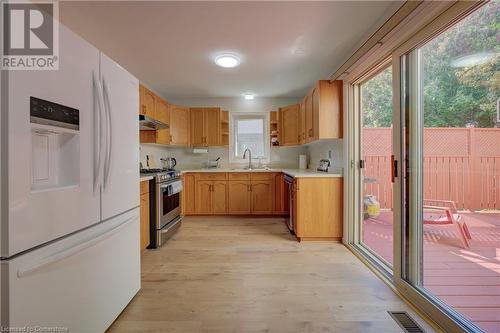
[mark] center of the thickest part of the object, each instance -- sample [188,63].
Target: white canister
[302,161]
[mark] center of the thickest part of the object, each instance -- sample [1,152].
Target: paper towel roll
[302,162]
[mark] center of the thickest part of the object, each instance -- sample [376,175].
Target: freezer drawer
[82,282]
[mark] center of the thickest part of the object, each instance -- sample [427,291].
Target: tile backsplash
[332,150]
[281,157]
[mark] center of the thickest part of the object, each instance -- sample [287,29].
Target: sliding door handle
[394,168]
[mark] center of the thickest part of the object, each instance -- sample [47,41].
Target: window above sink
[249,131]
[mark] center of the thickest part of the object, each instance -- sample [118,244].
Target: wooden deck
[466,279]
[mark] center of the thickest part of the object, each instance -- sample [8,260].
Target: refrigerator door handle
[99,138]
[107,161]
[27,270]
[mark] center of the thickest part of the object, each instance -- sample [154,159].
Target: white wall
[326,149]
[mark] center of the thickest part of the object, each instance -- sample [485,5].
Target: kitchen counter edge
[295,173]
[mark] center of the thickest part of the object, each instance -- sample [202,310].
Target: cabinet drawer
[262,175]
[144,186]
[211,176]
[239,176]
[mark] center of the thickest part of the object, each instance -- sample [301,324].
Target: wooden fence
[460,164]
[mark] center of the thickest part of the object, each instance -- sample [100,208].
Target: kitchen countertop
[145,178]
[308,173]
[295,173]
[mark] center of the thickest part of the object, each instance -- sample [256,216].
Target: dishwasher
[289,193]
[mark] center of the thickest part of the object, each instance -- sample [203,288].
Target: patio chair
[440,212]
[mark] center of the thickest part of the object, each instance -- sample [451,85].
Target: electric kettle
[168,163]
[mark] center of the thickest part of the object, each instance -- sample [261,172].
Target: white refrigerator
[70,253]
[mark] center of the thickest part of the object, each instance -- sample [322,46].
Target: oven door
[168,202]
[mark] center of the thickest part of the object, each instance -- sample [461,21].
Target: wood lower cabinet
[262,196]
[219,197]
[316,202]
[188,193]
[145,215]
[318,208]
[210,193]
[234,193]
[203,201]
[280,195]
[239,198]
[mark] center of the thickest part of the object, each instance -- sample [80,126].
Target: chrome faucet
[249,157]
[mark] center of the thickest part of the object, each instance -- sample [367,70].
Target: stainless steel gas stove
[166,206]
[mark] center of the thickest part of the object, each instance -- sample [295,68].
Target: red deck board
[466,279]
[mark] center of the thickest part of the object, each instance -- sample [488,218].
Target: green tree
[454,94]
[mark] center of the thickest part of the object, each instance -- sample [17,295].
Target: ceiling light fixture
[249,96]
[227,60]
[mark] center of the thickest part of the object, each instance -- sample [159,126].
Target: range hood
[147,123]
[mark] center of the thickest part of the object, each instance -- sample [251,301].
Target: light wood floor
[249,275]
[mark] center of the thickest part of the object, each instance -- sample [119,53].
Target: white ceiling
[284,46]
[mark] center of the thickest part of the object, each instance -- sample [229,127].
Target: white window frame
[233,117]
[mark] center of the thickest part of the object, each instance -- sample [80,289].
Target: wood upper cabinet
[163,115]
[327,103]
[239,198]
[212,126]
[205,127]
[311,104]
[196,116]
[302,121]
[224,128]
[203,201]
[262,192]
[147,102]
[290,127]
[179,125]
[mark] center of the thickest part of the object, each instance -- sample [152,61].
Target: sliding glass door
[450,231]
[376,224]
[423,194]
